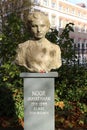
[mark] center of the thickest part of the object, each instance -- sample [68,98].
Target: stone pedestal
[39,101]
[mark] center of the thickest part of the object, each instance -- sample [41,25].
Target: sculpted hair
[38,15]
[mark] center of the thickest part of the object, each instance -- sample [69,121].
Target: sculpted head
[37,57]
[38,24]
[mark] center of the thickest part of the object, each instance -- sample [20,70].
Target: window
[79,28]
[73,11]
[60,23]
[84,29]
[60,7]
[45,2]
[53,3]
[78,45]
[36,1]
[78,48]
[75,46]
[83,46]
[53,19]
[67,9]
[79,14]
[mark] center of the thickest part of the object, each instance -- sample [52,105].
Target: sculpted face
[39,28]
[38,24]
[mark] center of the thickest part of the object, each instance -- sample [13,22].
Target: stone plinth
[39,100]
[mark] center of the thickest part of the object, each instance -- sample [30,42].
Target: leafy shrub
[11,89]
[71,85]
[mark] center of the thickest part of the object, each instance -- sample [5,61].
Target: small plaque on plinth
[39,101]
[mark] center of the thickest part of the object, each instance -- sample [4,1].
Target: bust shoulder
[57,46]
[24,44]
[54,46]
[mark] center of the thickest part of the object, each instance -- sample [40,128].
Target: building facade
[60,13]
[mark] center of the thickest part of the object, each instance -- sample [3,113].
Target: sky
[78,1]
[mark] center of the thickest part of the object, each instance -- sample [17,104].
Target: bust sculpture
[38,54]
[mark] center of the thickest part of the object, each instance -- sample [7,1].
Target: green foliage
[71,85]
[67,45]
[65,42]
[52,36]
[14,32]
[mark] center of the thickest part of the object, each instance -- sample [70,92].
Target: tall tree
[21,7]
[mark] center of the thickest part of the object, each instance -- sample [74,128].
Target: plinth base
[39,101]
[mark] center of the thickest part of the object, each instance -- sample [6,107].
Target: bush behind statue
[71,85]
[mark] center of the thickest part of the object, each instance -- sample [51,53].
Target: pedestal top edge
[39,75]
